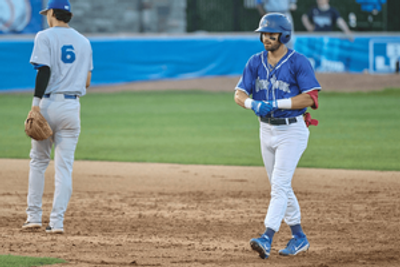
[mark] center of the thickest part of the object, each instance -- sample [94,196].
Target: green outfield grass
[19,261]
[356,131]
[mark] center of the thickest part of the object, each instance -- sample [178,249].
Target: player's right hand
[261,108]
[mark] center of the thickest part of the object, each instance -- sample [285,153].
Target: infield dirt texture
[149,214]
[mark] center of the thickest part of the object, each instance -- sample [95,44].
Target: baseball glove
[36,125]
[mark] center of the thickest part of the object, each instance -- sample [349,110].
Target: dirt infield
[132,214]
[339,82]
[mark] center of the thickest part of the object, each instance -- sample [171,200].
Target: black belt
[278,121]
[65,96]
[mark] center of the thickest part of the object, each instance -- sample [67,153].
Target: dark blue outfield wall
[121,60]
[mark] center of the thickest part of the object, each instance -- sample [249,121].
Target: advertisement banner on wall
[384,55]
[20,16]
[213,57]
[331,54]
[365,54]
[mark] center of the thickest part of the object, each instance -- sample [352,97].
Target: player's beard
[273,48]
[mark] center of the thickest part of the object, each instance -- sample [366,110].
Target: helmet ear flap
[285,37]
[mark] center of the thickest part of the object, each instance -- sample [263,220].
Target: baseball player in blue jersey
[278,85]
[63,58]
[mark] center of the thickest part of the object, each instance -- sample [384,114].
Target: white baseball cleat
[51,230]
[31,225]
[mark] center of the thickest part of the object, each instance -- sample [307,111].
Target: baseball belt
[278,121]
[65,96]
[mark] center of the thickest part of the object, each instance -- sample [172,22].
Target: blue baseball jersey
[323,20]
[293,75]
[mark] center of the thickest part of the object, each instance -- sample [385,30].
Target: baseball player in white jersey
[63,58]
[278,85]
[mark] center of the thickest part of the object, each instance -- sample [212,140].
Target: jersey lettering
[261,84]
[322,21]
[279,85]
[67,54]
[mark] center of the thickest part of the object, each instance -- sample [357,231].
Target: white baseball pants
[63,116]
[281,149]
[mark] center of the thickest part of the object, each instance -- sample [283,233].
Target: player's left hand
[261,108]
[36,126]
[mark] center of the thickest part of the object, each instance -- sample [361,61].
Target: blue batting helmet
[276,23]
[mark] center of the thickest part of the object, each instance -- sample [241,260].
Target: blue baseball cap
[57,4]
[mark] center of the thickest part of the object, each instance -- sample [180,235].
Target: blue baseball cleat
[295,246]
[261,245]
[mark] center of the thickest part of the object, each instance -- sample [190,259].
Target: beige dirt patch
[340,82]
[144,214]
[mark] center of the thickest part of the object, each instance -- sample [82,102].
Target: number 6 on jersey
[67,54]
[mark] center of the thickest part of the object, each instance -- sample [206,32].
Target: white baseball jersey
[69,56]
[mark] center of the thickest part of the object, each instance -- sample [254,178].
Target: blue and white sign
[383,55]
[375,54]
[333,54]
[20,16]
[208,56]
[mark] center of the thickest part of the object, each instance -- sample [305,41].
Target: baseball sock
[270,233]
[297,231]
